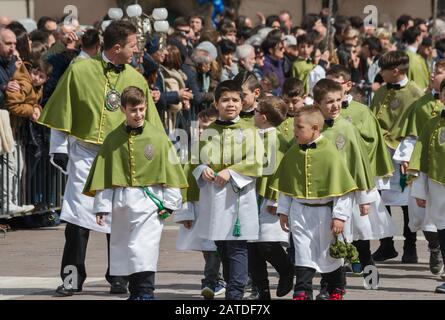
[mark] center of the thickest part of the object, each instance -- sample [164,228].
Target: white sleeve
[58,142]
[369,196]
[172,198]
[284,204]
[103,201]
[383,183]
[271,203]
[187,212]
[197,174]
[316,75]
[405,149]
[240,180]
[343,207]
[419,187]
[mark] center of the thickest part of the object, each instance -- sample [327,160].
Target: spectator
[43,36]
[245,55]
[197,25]
[273,21]
[273,49]
[229,69]
[290,53]
[90,44]
[47,24]
[228,32]
[203,64]
[404,22]
[286,21]
[8,42]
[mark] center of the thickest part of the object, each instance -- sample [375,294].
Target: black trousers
[364,252]
[441,236]
[74,253]
[410,237]
[262,252]
[304,276]
[141,283]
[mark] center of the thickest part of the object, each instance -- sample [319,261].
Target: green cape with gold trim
[314,173]
[77,105]
[129,160]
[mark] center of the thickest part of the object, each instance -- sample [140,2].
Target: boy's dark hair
[248,79]
[132,96]
[325,86]
[40,35]
[403,21]
[373,43]
[226,46]
[309,20]
[274,108]
[356,22]
[314,116]
[90,39]
[227,28]
[293,87]
[270,42]
[42,66]
[305,39]
[338,70]
[208,114]
[439,64]
[228,86]
[394,59]
[271,19]
[117,33]
[410,35]
[181,22]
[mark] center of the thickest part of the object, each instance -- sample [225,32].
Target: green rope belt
[158,202]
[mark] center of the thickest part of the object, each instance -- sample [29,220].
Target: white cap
[290,40]
[209,47]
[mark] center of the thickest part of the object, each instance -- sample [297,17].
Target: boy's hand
[284,222]
[100,219]
[222,178]
[272,210]
[187,223]
[337,226]
[208,175]
[364,209]
[35,114]
[421,203]
[156,95]
[404,167]
[13,86]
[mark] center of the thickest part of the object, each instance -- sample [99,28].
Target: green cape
[280,147]
[237,147]
[390,108]
[287,130]
[423,110]
[77,106]
[429,153]
[368,126]
[300,70]
[250,120]
[314,173]
[418,70]
[127,160]
[349,143]
[191,193]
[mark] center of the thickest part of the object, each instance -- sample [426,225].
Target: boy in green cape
[316,192]
[269,114]
[251,92]
[418,69]
[391,104]
[424,109]
[231,159]
[293,94]
[136,177]
[303,65]
[427,163]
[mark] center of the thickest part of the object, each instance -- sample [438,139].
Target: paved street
[30,259]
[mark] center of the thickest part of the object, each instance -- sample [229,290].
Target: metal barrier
[27,176]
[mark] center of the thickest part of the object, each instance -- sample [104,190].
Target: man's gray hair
[243,51]
[200,56]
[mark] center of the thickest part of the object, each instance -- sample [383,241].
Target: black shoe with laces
[384,252]
[118,288]
[62,291]
[285,284]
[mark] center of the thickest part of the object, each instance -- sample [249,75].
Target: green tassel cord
[403,181]
[158,202]
[237,225]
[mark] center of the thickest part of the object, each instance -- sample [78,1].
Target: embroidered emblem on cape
[149,151]
[442,136]
[340,142]
[112,100]
[394,104]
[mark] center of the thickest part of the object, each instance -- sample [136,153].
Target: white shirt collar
[83,54]
[316,140]
[412,49]
[104,57]
[348,98]
[266,130]
[403,82]
[234,120]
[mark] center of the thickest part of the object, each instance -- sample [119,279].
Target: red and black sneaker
[337,294]
[300,295]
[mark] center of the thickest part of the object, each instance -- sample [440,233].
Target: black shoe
[61,291]
[254,294]
[410,256]
[385,252]
[118,288]
[285,284]
[323,295]
[259,294]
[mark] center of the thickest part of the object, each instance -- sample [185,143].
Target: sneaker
[254,294]
[337,294]
[207,293]
[15,209]
[118,288]
[220,289]
[357,268]
[440,289]
[324,294]
[300,295]
[436,262]
[63,291]
[285,284]
[385,252]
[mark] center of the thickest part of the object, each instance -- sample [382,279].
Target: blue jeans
[234,259]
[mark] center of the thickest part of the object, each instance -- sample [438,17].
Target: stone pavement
[30,259]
